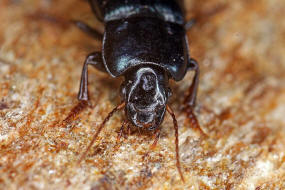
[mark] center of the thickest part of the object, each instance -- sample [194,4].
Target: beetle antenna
[119,107]
[169,110]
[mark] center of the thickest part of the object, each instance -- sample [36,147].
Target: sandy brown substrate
[240,46]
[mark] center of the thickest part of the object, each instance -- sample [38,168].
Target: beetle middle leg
[190,99]
[88,29]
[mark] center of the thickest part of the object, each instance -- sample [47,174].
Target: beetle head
[146,93]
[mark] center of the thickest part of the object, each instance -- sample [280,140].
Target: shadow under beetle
[145,42]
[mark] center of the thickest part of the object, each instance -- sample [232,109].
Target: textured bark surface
[240,46]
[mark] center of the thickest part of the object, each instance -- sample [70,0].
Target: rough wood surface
[240,46]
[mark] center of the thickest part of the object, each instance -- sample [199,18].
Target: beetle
[145,42]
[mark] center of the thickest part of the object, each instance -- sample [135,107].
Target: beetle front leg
[190,99]
[94,59]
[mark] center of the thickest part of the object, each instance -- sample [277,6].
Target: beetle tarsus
[156,138]
[121,132]
[79,107]
[194,123]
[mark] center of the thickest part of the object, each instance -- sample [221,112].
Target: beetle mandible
[145,42]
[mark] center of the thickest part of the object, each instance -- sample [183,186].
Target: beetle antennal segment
[119,107]
[169,110]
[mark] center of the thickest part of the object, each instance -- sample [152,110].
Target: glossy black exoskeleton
[145,42]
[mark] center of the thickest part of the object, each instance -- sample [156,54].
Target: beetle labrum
[145,42]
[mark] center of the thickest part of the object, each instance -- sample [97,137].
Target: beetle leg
[96,10]
[88,29]
[189,24]
[190,99]
[156,138]
[94,59]
[129,129]
[121,131]
[80,106]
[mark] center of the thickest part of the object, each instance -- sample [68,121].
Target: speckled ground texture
[240,46]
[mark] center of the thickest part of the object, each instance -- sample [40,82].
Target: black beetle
[145,42]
